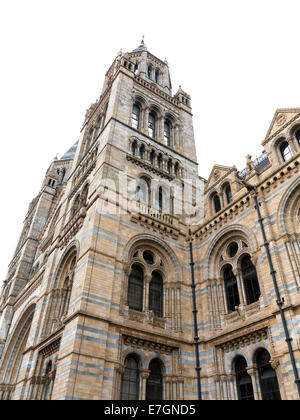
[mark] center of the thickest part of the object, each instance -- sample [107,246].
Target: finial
[143,39]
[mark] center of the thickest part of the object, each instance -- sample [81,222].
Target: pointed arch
[232,229]
[285,201]
[147,238]
[16,346]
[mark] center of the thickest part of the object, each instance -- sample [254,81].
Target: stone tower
[99,285]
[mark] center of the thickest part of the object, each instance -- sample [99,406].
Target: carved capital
[145,373]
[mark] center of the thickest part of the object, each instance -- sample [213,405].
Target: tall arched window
[136,288]
[159,161]
[286,151]
[157,76]
[228,194]
[142,151]
[149,72]
[231,289]
[130,380]
[151,124]
[167,133]
[160,203]
[156,294]
[135,118]
[250,280]
[217,203]
[152,157]
[267,377]
[243,380]
[133,148]
[67,287]
[298,136]
[176,169]
[154,389]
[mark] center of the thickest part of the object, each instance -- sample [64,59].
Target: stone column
[144,120]
[239,279]
[232,385]
[253,372]
[160,129]
[145,373]
[147,280]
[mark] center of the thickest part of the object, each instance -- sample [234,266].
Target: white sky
[239,60]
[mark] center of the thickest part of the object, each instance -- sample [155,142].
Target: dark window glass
[130,380]
[152,157]
[228,194]
[286,151]
[133,148]
[267,377]
[136,288]
[151,125]
[176,169]
[154,389]
[217,203]
[298,136]
[156,76]
[148,257]
[142,151]
[233,249]
[135,119]
[159,161]
[231,288]
[169,166]
[243,381]
[167,134]
[149,72]
[250,279]
[160,199]
[156,295]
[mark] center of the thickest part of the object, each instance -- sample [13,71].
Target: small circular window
[148,257]
[233,249]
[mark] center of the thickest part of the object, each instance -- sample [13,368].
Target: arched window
[156,294]
[267,377]
[154,389]
[136,288]
[133,148]
[149,72]
[152,157]
[47,393]
[135,118]
[298,136]
[228,194]
[176,169]
[160,199]
[217,203]
[157,76]
[243,380]
[169,166]
[142,151]
[250,280]
[151,124]
[65,298]
[76,206]
[231,289]
[167,133]
[62,175]
[286,151]
[159,161]
[130,380]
